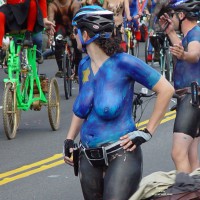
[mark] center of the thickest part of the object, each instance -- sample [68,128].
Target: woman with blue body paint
[110,158]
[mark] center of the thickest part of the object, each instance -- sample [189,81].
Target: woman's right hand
[68,160]
[67,151]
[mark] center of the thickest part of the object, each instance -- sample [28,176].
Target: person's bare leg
[180,150]
[193,154]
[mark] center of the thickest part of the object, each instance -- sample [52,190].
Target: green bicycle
[26,89]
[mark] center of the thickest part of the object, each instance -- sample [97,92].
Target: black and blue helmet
[191,7]
[94,18]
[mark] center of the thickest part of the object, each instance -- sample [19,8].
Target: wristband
[146,131]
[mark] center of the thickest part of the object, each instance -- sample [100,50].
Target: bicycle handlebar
[144,95]
[176,96]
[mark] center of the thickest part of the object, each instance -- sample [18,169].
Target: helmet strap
[84,44]
[180,21]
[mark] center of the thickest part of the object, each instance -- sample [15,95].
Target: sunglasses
[75,31]
[171,14]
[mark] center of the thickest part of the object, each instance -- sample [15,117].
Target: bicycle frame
[23,75]
[67,60]
[132,42]
[166,63]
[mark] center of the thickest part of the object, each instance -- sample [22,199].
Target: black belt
[99,156]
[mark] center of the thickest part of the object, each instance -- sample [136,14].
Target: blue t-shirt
[185,72]
[105,99]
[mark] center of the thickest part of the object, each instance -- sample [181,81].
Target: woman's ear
[85,36]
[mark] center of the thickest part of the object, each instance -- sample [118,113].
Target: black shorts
[187,117]
[16,16]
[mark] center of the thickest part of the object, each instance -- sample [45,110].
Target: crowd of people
[110,156]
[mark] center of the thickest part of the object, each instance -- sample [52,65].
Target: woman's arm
[72,133]
[164,91]
[127,10]
[74,127]
[105,4]
[51,12]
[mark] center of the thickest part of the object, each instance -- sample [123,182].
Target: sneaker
[149,57]
[59,74]
[5,70]
[2,56]
[28,42]
[40,59]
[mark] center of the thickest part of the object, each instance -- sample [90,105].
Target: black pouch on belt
[76,159]
[97,156]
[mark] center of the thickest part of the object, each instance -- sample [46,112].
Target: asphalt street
[31,165]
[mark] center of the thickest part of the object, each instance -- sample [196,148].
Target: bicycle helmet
[95,19]
[190,7]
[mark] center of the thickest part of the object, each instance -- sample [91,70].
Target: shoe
[59,74]
[2,56]
[28,41]
[40,59]
[149,57]
[5,70]
[156,56]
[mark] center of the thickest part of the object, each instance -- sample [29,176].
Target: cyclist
[102,110]
[159,9]
[61,13]
[118,7]
[150,6]
[183,17]
[136,10]
[21,14]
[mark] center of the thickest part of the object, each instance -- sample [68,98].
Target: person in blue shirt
[183,17]
[110,160]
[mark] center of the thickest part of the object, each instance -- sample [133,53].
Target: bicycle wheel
[167,67]
[54,104]
[66,64]
[131,50]
[136,48]
[10,114]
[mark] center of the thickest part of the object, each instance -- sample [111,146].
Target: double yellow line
[54,160]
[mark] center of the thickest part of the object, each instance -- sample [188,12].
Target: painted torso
[105,99]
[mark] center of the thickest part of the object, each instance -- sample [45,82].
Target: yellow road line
[6,177]
[166,115]
[26,167]
[31,172]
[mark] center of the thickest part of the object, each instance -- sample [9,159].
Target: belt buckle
[105,156]
[95,153]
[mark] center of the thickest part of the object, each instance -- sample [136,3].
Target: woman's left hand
[49,26]
[127,144]
[130,142]
[129,18]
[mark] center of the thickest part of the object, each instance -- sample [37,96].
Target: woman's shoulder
[123,57]
[84,61]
